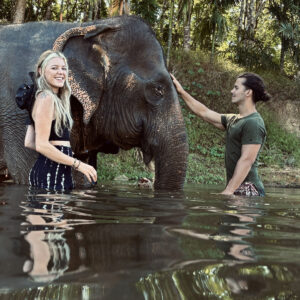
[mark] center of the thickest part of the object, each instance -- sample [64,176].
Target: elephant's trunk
[171,163]
[170,151]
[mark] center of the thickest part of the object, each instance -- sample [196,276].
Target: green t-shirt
[243,131]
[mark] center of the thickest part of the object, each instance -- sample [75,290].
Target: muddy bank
[287,113]
[279,177]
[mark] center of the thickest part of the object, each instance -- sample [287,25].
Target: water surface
[120,242]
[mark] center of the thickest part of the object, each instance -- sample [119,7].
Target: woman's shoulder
[44,98]
[44,104]
[44,94]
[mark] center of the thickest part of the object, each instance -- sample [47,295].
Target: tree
[218,22]
[19,14]
[250,12]
[185,12]
[147,9]
[288,17]
[119,7]
[170,31]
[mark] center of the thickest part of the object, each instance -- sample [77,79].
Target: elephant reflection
[122,94]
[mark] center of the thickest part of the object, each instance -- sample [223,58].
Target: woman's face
[56,73]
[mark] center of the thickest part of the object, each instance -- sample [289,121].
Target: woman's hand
[88,171]
[178,86]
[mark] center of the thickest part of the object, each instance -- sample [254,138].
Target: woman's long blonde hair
[62,107]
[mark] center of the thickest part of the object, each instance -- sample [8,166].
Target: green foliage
[281,148]
[125,163]
[147,9]
[271,42]
[6,7]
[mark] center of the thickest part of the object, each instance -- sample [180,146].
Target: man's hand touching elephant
[178,86]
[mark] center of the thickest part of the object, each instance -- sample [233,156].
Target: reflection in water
[236,225]
[129,244]
[236,221]
[221,281]
[44,229]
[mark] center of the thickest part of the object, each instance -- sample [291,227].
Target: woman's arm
[43,111]
[29,141]
[197,107]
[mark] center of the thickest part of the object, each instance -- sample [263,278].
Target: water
[119,242]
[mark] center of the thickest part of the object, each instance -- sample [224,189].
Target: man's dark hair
[256,84]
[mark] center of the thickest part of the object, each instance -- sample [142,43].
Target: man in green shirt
[245,133]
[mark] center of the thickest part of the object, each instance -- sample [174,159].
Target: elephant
[122,94]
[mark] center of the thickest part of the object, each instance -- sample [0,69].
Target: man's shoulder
[254,120]
[230,117]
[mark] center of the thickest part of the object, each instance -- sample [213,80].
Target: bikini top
[54,137]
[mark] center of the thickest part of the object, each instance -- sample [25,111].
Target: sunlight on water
[120,242]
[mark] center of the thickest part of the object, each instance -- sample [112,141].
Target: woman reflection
[45,228]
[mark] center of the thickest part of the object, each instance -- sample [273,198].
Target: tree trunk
[67,10]
[48,12]
[187,38]
[241,19]
[97,9]
[161,19]
[61,11]
[260,7]
[251,20]
[19,14]
[91,4]
[121,8]
[282,53]
[126,7]
[170,31]
[212,54]
[187,26]
[246,24]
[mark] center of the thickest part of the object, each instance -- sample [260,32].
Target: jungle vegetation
[206,44]
[235,29]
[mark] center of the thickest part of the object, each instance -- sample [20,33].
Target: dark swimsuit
[48,174]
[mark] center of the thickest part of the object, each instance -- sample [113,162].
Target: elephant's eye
[159,90]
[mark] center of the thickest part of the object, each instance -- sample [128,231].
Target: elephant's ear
[86,74]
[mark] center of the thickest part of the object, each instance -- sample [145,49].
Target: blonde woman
[50,132]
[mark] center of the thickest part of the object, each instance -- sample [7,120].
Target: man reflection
[240,213]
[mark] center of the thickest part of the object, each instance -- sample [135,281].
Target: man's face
[238,93]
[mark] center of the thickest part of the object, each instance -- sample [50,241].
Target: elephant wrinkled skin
[122,94]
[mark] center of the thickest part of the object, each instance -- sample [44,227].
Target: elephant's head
[118,74]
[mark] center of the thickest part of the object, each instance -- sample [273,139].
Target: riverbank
[128,166]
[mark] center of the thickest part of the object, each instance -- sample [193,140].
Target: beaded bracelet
[76,168]
[74,163]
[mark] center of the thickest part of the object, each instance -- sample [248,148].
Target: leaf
[200,70]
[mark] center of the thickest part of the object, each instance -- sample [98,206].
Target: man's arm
[243,166]
[198,108]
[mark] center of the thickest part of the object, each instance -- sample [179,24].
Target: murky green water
[119,242]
